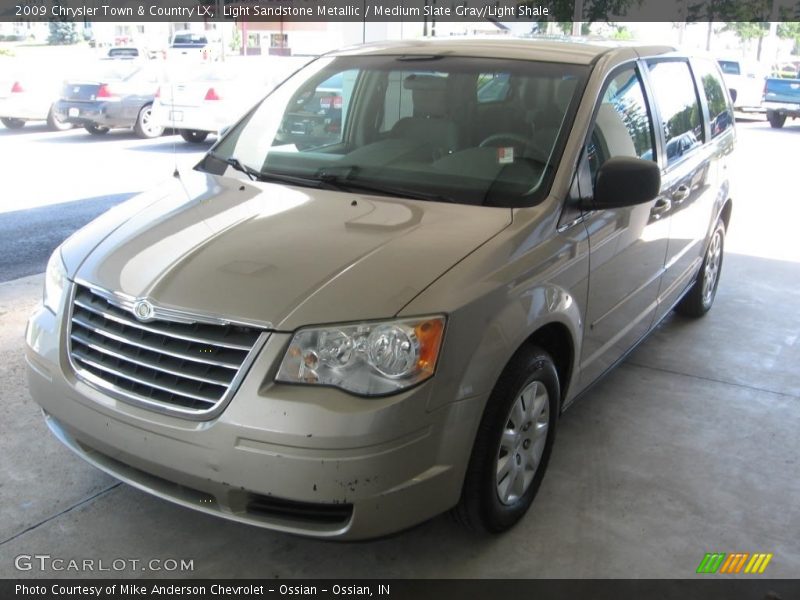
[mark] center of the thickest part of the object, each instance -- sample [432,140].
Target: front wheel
[776,120]
[96,129]
[145,127]
[193,136]
[13,123]
[700,297]
[513,444]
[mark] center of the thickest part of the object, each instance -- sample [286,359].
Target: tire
[776,120]
[53,122]
[96,129]
[700,297]
[513,444]
[193,136]
[144,127]
[12,123]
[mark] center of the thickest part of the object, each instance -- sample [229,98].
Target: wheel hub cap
[522,442]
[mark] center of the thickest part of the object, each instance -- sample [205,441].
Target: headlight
[370,359]
[55,277]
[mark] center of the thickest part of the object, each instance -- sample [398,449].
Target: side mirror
[624,181]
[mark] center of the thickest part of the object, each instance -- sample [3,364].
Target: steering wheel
[515,138]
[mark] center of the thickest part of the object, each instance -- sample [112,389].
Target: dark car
[117,93]
[316,117]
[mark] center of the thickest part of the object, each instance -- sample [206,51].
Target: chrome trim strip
[126,301]
[80,339]
[140,325]
[151,384]
[123,340]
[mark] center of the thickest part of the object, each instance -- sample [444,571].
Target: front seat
[430,127]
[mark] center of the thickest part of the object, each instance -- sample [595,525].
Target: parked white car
[28,94]
[745,81]
[214,96]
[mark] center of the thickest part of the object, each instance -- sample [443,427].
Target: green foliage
[622,33]
[236,40]
[62,33]
[729,10]
[562,11]
[790,31]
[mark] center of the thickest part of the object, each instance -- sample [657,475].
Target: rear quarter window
[676,98]
[720,113]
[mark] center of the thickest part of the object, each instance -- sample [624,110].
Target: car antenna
[176,173]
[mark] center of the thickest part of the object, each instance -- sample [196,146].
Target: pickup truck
[781,100]
[191,44]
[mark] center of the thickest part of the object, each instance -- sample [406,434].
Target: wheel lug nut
[526,444]
[518,459]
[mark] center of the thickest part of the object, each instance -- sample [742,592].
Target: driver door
[627,245]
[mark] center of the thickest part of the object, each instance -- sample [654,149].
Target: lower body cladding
[299,459]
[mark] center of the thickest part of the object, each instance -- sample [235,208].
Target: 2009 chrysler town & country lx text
[343,330]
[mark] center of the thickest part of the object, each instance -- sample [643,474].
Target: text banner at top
[498,11]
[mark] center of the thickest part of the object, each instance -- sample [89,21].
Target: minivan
[341,335]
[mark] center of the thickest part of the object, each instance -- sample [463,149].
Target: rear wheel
[96,129]
[193,136]
[776,120]
[13,123]
[145,127]
[56,124]
[700,297]
[513,444]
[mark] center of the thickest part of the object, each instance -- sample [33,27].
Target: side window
[677,101]
[720,113]
[729,67]
[622,126]
[493,87]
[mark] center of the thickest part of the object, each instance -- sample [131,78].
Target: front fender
[529,276]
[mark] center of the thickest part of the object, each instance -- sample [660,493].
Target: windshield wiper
[342,178]
[237,164]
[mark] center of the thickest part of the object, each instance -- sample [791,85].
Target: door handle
[661,206]
[680,194]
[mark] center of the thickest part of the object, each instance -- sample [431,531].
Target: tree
[562,11]
[790,31]
[62,33]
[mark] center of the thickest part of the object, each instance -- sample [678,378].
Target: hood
[276,255]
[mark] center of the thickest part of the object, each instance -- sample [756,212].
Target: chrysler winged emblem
[143,310]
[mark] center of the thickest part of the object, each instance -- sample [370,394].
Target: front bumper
[304,460]
[98,112]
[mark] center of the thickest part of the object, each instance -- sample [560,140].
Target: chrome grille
[190,367]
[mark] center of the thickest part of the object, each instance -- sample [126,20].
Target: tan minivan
[372,299]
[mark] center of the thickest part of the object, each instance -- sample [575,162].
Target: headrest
[429,94]
[430,83]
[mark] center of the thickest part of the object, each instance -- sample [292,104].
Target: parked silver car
[343,334]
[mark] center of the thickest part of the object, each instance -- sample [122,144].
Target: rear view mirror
[625,181]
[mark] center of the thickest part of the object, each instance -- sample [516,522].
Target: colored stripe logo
[734,563]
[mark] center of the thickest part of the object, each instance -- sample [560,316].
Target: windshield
[467,130]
